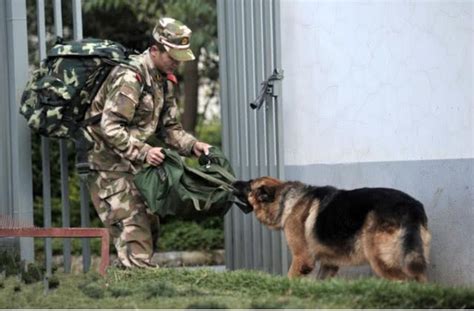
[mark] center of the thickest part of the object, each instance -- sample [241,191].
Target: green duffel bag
[175,188]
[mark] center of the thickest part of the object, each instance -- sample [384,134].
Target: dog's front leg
[302,262]
[300,266]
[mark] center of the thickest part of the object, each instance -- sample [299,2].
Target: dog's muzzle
[241,191]
[241,187]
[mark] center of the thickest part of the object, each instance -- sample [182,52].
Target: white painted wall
[377,80]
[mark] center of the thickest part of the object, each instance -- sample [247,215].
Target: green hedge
[190,235]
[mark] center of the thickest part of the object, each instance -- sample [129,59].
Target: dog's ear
[266,194]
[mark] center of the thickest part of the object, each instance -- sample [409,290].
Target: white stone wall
[377,80]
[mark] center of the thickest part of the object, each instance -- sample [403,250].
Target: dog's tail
[413,261]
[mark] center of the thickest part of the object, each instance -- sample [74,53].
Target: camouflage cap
[175,36]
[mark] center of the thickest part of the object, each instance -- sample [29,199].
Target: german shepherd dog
[383,227]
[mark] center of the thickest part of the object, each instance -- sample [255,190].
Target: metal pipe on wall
[243,113]
[225,129]
[280,161]
[262,135]
[272,142]
[251,87]
[234,131]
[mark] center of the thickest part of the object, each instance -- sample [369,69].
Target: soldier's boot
[122,261]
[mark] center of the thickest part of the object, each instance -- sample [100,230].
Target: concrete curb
[189,258]
[163,259]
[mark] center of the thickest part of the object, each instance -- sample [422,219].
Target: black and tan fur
[383,227]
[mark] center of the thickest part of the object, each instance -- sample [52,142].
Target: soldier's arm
[119,109]
[171,130]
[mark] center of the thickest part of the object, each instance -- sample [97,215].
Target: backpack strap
[82,144]
[91,120]
[82,147]
[225,185]
[146,89]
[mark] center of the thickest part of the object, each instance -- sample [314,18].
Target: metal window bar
[63,153]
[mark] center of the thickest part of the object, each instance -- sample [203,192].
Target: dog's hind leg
[422,278]
[383,252]
[383,270]
[415,248]
[327,271]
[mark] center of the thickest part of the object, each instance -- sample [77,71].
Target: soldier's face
[163,61]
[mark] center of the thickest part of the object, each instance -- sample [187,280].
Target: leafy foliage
[200,16]
[210,132]
[179,235]
[11,265]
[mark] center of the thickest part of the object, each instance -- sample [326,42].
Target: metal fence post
[63,153]
[17,148]
[45,146]
[85,219]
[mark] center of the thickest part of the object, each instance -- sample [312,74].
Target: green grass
[180,288]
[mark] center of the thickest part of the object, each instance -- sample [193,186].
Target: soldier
[137,103]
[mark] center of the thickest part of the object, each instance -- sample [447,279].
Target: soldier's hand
[200,147]
[155,156]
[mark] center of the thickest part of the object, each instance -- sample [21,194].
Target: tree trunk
[191,84]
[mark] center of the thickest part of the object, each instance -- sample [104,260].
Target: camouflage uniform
[130,115]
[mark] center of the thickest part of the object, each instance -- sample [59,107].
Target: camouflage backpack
[59,93]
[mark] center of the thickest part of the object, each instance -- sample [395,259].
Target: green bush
[56,206]
[209,131]
[190,235]
[11,265]
[76,246]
